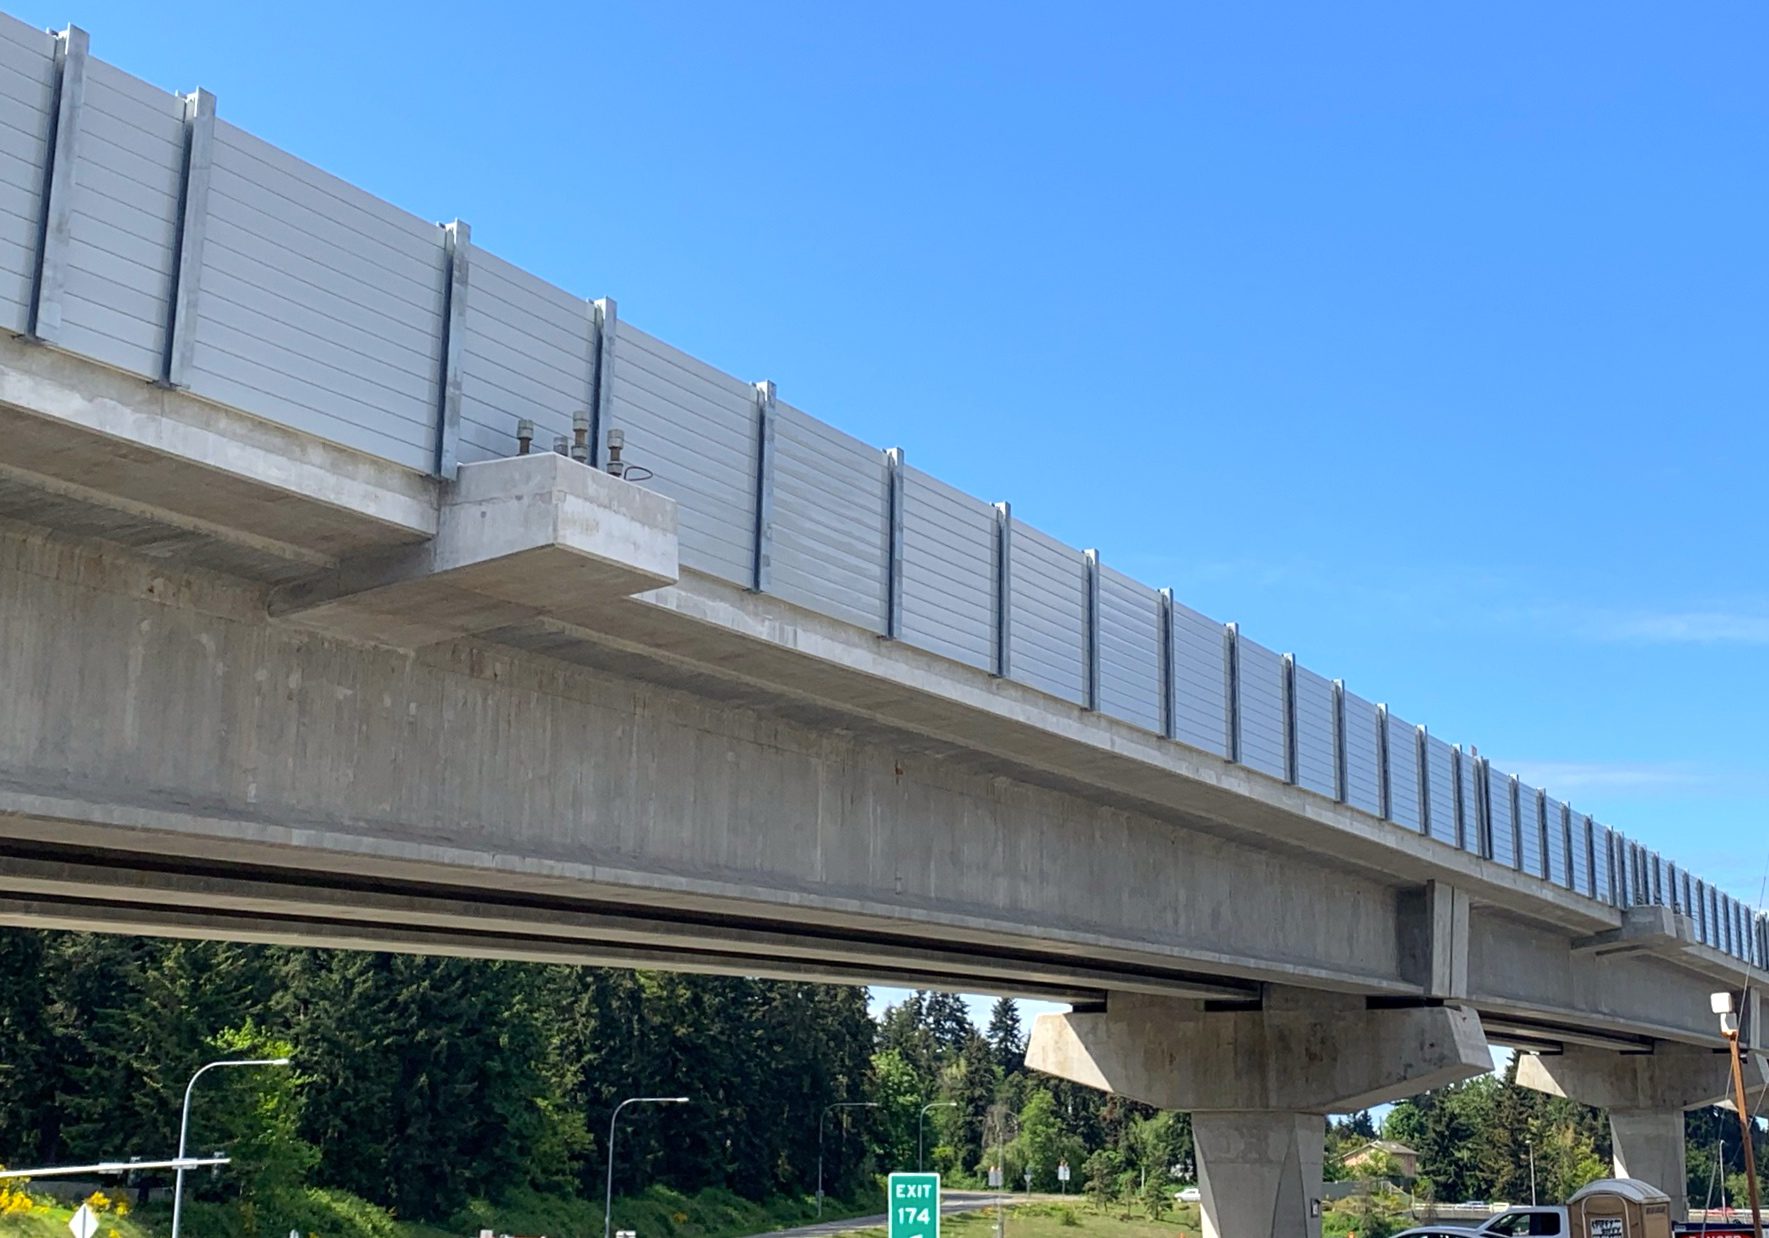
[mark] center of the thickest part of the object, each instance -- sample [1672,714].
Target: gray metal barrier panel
[1560,856]
[830,548]
[1534,857]
[1317,734]
[696,429]
[1363,766]
[1474,828]
[948,571]
[1440,777]
[1504,824]
[1703,931]
[1585,854]
[1129,650]
[123,237]
[1262,742]
[1405,786]
[1200,675]
[320,305]
[1686,892]
[1572,841]
[1049,610]
[27,101]
[527,352]
[1603,874]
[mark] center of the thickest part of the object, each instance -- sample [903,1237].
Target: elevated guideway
[299,648]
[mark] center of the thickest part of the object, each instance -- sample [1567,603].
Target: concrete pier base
[1648,1145]
[1260,1173]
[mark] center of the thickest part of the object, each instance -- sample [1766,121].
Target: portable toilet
[1619,1208]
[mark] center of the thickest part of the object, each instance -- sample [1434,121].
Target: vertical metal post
[1424,749]
[458,248]
[1288,673]
[1169,693]
[894,484]
[767,411]
[1090,634]
[1514,793]
[60,184]
[1543,826]
[1383,771]
[1483,805]
[193,218]
[1231,635]
[1421,757]
[1341,788]
[605,325]
[1004,589]
[1457,798]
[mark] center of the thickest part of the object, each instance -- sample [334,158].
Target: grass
[50,1220]
[656,1213]
[1077,1220]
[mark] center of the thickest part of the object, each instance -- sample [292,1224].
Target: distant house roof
[1382,1145]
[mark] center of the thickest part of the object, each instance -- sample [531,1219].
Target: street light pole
[184,1126]
[939,1104]
[840,1104]
[608,1199]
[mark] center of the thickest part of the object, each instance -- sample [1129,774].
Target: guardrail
[143,232]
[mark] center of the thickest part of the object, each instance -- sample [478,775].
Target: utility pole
[1722,1006]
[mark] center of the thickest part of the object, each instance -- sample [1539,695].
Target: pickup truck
[1550,1221]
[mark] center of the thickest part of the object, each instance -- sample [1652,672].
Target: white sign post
[84,1223]
[1062,1175]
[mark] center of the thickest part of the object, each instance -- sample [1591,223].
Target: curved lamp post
[184,1125]
[938,1104]
[840,1104]
[608,1204]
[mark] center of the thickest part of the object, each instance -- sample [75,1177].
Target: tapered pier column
[1259,1084]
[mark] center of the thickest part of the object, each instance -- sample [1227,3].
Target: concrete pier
[1260,1082]
[1646,1095]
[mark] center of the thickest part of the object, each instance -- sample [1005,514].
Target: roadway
[951,1203]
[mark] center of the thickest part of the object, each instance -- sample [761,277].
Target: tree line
[420,1084]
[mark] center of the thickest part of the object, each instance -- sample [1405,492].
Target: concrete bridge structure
[299,648]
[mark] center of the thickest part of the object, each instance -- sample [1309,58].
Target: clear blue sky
[1425,341]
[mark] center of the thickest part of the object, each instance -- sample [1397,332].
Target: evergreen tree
[948,1023]
[1007,1040]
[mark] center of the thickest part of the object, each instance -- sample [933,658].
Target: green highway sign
[914,1205]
